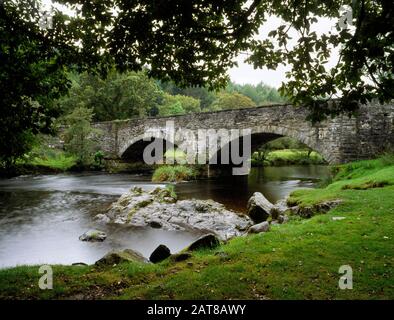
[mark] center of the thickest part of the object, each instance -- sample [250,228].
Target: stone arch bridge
[339,140]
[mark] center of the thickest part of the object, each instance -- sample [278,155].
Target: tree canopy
[234,100]
[118,96]
[195,42]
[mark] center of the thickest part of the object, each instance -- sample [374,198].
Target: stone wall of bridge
[339,140]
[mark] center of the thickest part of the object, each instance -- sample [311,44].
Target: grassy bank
[297,260]
[53,161]
[287,157]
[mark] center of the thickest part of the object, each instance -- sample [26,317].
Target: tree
[32,76]
[178,104]
[202,94]
[261,94]
[78,135]
[195,42]
[226,100]
[118,96]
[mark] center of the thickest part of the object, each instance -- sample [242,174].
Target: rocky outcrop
[160,253]
[260,227]
[116,257]
[160,209]
[93,235]
[259,208]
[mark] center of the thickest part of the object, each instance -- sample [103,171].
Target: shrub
[173,173]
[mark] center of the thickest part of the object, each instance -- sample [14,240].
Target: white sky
[245,73]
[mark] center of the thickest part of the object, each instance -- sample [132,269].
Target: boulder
[279,208]
[141,208]
[102,218]
[260,227]
[283,218]
[259,208]
[208,241]
[160,253]
[93,235]
[116,257]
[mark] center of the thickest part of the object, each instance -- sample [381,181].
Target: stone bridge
[339,140]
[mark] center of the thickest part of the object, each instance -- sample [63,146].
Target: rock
[259,208]
[163,195]
[260,227]
[178,257]
[102,218]
[159,254]
[338,218]
[155,224]
[279,208]
[283,218]
[319,208]
[208,241]
[141,208]
[93,235]
[116,257]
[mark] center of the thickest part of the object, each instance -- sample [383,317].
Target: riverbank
[287,157]
[297,260]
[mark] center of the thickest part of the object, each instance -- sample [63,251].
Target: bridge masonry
[339,140]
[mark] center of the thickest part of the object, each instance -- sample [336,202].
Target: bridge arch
[134,148]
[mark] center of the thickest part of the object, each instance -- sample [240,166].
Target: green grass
[289,157]
[42,156]
[59,161]
[173,173]
[297,260]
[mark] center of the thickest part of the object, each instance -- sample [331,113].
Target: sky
[245,73]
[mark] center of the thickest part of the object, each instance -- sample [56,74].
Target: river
[41,217]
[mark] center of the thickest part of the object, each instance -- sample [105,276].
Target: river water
[41,217]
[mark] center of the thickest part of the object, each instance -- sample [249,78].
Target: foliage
[118,96]
[225,101]
[178,104]
[174,173]
[32,75]
[286,157]
[365,66]
[285,143]
[46,154]
[99,157]
[78,135]
[261,94]
[202,94]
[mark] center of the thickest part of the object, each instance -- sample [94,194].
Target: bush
[173,173]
